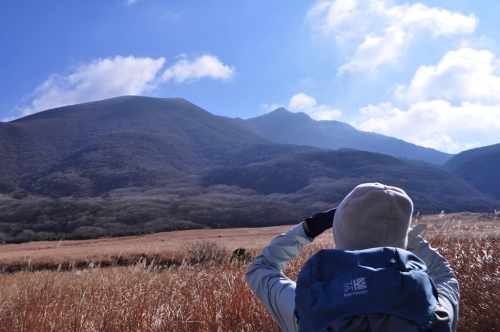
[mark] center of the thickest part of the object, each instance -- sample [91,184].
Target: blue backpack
[335,286]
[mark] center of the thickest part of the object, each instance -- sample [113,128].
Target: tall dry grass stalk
[211,297]
[474,256]
[131,299]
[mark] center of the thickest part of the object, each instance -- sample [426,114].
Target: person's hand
[413,234]
[318,223]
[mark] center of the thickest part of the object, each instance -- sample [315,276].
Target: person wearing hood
[372,221]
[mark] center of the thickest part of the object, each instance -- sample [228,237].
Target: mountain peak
[281,110]
[282,114]
[285,127]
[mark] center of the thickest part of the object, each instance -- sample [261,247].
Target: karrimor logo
[355,287]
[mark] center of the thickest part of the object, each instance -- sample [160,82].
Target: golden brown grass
[111,251]
[474,256]
[215,297]
[131,299]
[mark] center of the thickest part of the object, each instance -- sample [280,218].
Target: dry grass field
[82,286]
[165,247]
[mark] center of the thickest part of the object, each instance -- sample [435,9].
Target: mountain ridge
[480,167]
[78,144]
[133,165]
[282,126]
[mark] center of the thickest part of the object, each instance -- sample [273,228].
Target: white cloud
[112,77]
[100,79]
[451,106]
[436,124]
[381,32]
[301,101]
[328,16]
[204,66]
[439,22]
[376,51]
[307,104]
[270,107]
[466,74]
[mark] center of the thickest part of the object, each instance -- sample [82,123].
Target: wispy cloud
[111,77]
[270,107]
[381,32]
[307,104]
[102,78]
[185,70]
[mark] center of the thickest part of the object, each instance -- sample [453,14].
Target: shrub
[55,196]
[7,186]
[20,195]
[205,253]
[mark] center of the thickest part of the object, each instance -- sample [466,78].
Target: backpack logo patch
[355,287]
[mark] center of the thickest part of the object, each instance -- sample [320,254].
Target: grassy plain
[166,247]
[152,295]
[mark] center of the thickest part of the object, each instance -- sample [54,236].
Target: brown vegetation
[163,247]
[140,165]
[213,295]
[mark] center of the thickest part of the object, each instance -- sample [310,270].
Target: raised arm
[441,274]
[266,279]
[265,274]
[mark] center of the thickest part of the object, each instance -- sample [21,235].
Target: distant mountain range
[329,175]
[95,147]
[131,165]
[282,126]
[480,167]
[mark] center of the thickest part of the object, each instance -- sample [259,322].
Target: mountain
[282,126]
[328,176]
[480,167]
[134,165]
[91,148]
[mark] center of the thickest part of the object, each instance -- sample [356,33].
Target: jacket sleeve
[266,279]
[441,274]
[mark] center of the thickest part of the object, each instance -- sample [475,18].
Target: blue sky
[425,71]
